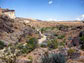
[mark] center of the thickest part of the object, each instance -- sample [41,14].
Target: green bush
[29,46]
[25,49]
[61,36]
[32,43]
[19,45]
[43,29]
[2,45]
[82,46]
[82,42]
[71,52]
[53,58]
[52,44]
[63,43]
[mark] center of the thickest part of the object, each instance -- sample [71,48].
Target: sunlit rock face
[7,12]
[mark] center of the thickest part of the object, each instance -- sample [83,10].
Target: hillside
[13,31]
[34,41]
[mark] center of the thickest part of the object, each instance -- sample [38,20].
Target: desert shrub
[19,45]
[25,49]
[28,46]
[81,34]
[30,57]
[43,29]
[55,34]
[61,36]
[44,45]
[52,44]
[71,52]
[62,27]
[2,45]
[32,43]
[82,42]
[82,46]
[53,58]
[9,54]
[62,43]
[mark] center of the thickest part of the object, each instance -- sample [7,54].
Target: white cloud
[83,15]
[80,17]
[51,19]
[50,2]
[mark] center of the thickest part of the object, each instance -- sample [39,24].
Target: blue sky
[46,9]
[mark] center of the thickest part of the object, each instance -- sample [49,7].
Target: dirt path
[43,37]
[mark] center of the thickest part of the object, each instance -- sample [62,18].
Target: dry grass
[52,24]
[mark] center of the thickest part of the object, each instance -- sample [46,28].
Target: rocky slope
[12,31]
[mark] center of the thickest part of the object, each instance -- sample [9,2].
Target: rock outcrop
[12,31]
